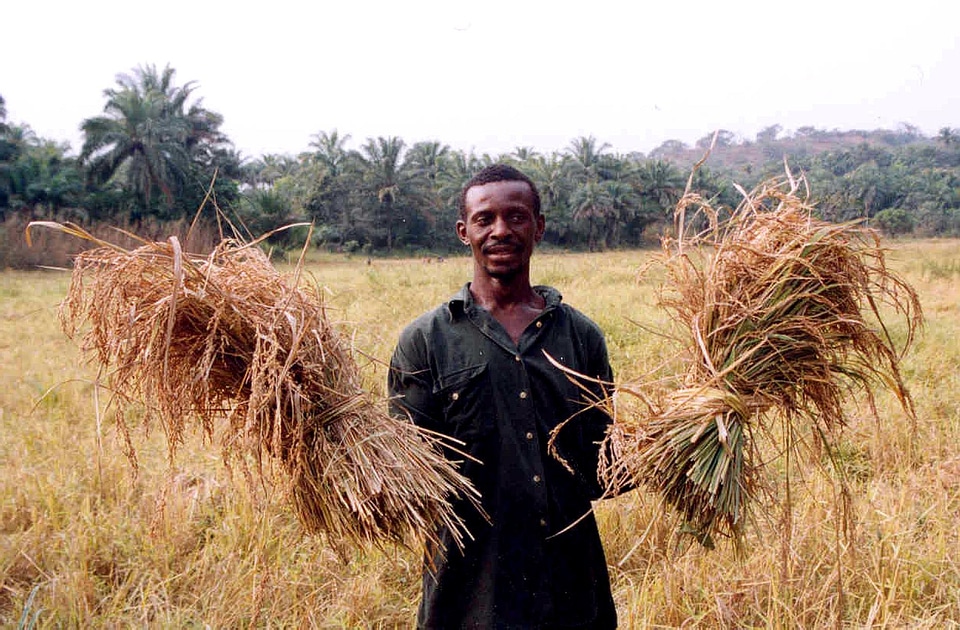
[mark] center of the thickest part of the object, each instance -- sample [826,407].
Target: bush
[895,221]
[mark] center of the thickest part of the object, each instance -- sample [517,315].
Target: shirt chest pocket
[467,402]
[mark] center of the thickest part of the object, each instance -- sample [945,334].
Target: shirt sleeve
[410,383]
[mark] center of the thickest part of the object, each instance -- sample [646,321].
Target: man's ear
[462,232]
[541,227]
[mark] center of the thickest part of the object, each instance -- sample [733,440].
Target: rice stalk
[781,320]
[225,343]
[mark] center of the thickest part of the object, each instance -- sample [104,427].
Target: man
[476,369]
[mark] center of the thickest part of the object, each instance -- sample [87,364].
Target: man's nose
[500,227]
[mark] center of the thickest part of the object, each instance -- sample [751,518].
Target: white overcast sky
[494,75]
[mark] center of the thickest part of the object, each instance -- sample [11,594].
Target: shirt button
[455,395]
[539,324]
[536,479]
[516,358]
[523,394]
[543,522]
[529,435]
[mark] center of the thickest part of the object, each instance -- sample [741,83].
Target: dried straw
[782,318]
[226,337]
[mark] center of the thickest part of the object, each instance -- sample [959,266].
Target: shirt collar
[463,299]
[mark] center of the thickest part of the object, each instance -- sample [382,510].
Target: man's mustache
[508,246]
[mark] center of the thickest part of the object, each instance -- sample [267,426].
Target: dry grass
[781,323]
[80,533]
[226,341]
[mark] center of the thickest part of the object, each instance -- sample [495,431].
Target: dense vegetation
[155,150]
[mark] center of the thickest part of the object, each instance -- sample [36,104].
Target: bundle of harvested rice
[781,315]
[226,337]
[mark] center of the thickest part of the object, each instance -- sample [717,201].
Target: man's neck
[500,294]
[511,302]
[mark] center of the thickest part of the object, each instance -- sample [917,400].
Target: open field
[83,544]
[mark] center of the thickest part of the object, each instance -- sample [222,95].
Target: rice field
[83,542]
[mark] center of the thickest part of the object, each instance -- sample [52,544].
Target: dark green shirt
[538,561]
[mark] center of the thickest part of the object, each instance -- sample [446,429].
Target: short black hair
[498,173]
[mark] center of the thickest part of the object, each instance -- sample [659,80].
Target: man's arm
[410,383]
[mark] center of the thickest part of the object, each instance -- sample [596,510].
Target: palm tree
[592,205]
[586,156]
[334,172]
[331,151]
[426,163]
[458,167]
[661,185]
[149,138]
[8,154]
[3,115]
[16,142]
[276,166]
[523,154]
[427,160]
[550,175]
[623,208]
[381,166]
[139,134]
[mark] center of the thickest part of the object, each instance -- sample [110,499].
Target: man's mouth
[501,250]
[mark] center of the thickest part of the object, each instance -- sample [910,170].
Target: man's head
[498,173]
[500,221]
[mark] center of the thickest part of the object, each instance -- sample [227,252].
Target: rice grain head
[227,344]
[782,315]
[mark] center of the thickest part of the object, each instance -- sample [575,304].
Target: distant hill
[744,156]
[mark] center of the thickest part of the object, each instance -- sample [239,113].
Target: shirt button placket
[530,435]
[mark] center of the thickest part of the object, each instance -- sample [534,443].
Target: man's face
[500,227]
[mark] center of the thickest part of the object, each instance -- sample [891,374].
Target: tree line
[155,152]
